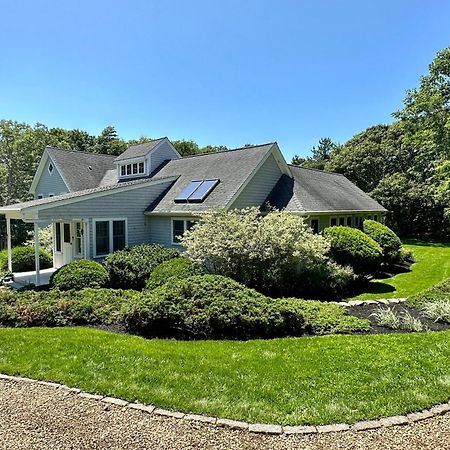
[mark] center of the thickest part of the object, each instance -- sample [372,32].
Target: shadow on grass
[427,243]
[378,287]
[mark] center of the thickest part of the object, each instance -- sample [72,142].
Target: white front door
[67,249]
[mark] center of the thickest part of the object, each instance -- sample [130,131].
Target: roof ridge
[227,151]
[316,170]
[79,151]
[148,142]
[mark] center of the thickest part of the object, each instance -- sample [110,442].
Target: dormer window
[132,169]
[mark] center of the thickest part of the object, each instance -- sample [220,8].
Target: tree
[109,143]
[320,155]
[186,148]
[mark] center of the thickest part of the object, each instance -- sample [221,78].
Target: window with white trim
[132,169]
[179,226]
[109,235]
[314,225]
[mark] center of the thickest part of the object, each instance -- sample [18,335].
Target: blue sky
[230,73]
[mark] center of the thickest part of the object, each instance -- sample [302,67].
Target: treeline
[405,165]
[22,145]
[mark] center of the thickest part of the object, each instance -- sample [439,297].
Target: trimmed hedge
[131,267]
[350,246]
[198,307]
[175,268]
[79,275]
[216,307]
[436,293]
[23,259]
[389,242]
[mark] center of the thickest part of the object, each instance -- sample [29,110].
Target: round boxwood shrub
[23,259]
[172,269]
[78,275]
[388,241]
[210,306]
[350,246]
[131,267]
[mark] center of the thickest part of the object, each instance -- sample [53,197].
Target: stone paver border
[238,425]
[381,301]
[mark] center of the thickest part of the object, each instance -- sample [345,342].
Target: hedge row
[198,307]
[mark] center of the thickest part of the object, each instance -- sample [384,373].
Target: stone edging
[384,301]
[252,427]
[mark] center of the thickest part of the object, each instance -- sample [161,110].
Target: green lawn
[432,266]
[314,380]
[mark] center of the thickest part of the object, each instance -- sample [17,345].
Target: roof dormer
[142,160]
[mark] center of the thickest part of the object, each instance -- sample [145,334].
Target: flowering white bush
[276,253]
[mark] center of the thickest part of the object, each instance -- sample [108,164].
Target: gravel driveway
[45,418]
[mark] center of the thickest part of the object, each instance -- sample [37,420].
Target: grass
[314,380]
[432,266]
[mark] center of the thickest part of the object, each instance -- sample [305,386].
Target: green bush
[350,246]
[276,254]
[23,259]
[216,307]
[131,267]
[198,307]
[437,293]
[388,241]
[79,275]
[172,269]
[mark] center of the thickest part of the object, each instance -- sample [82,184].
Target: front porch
[23,279]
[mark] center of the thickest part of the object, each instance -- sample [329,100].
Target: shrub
[410,323]
[23,259]
[350,246]
[172,269]
[131,267]
[386,317]
[276,254]
[212,306]
[78,275]
[406,255]
[438,311]
[436,293]
[388,241]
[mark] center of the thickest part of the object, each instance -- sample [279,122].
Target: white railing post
[36,253]
[8,245]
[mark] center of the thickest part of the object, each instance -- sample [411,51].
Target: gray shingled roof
[231,167]
[312,190]
[81,170]
[82,193]
[139,150]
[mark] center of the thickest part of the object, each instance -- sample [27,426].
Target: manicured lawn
[432,266]
[312,380]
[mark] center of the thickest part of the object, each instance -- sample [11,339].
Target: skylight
[196,191]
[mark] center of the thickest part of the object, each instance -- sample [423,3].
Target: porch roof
[18,210]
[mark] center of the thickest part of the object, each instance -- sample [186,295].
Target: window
[51,195]
[375,217]
[196,191]
[67,233]
[349,221]
[57,237]
[78,238]
[39,196]
[132,169]
[50,168]
[333,221]
[314,224]
[179,226]
[341,221]
[110,235]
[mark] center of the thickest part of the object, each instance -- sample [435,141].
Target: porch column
[36,253]
[8,244]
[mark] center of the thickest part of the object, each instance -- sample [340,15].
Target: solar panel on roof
[187,191]
[203,190]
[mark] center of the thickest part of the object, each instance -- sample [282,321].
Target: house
[150,194]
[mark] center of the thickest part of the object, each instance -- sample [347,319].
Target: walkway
[36,417]
[22,279]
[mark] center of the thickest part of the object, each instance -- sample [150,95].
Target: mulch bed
[365,311]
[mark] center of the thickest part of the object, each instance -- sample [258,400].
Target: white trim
[37,254]
[8,244]
[52,166]
[131,163]
[111,237]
